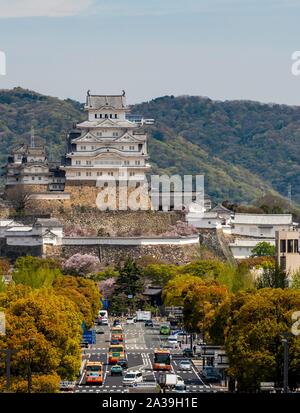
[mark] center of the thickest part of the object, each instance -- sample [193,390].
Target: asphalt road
[140,342]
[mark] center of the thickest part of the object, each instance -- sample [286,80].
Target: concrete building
[260,225]
[242,248]
[287,250]
[107,146]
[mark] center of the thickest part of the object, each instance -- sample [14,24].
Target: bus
[94,372]
[162,360]
[116,352]
[117,333]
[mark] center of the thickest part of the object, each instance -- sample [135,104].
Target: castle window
[137,162]
[93,147]
[88,173]
[131,173]
[95,115]
[116,116]
[99,173]
[115,134]
[106,115]
[99,133]
[131,148]
[126,162]
[32,178]
[282,245]
[40,178]
[289,245]
[83,148]
[110,116]
[88,162]
[78,173]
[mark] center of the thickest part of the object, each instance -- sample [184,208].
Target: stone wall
[112,254]
[120,223]
[13,252]
[210,239]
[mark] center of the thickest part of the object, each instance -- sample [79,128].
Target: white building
[106,146]
[260,225]
[43,232]
[242,248]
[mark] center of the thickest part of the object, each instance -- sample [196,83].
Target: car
[173,341]
[148,323]
[211,374]
[116,323]
[187,352]
[123,363]
[104,321]
[116,370]
[180,388]
[114,342]
[130,320]
[185,365]
[132,377]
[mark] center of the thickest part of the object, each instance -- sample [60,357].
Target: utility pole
[285,342]
[8,353]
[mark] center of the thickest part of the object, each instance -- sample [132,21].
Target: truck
[169,380]
[143,315]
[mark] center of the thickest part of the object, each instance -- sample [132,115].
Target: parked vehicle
[149,323]
[130,320]
[132,377]
[114,342]
[143,315]
[185,365]
[116,370]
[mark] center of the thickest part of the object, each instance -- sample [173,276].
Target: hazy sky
[224,49]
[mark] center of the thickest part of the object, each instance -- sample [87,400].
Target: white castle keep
[106,146]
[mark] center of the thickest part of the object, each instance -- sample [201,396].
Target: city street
[140,343]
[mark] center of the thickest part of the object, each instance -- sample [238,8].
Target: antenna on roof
[32,143]
[123,93]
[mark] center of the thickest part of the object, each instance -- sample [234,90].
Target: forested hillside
[244,148]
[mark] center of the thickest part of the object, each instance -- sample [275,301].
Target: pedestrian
[194,349]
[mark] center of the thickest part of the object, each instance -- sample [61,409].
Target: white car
[104,321]
[130,320]
[172,340]
[132,377]
[185,365]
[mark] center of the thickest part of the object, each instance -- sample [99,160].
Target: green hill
[244,148]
